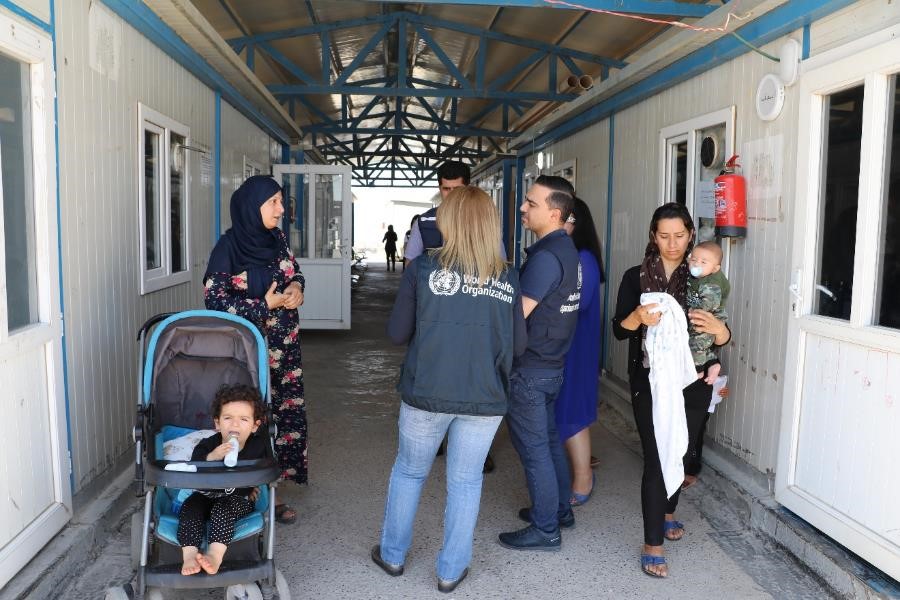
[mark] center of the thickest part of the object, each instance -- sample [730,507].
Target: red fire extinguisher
[731,201]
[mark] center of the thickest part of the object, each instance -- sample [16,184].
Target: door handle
[797,297]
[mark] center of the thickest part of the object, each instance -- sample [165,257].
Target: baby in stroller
[237,414]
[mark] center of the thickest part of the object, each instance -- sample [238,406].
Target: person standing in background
[390,248]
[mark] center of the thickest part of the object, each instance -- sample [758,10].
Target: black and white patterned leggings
[222,513]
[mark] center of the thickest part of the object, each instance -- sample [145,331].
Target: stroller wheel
[243,591]
[137,531]
[281,587]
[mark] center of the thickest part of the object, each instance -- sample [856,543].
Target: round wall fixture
[769,97]
[710,152]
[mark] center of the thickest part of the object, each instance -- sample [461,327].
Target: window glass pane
[295,213]
[679,172]
[889,312]
[151,200]
[329,210]
[17,191]
[177,188]
[837,236]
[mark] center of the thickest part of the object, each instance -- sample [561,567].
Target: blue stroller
[188,357]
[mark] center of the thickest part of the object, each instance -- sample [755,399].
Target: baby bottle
[232,456]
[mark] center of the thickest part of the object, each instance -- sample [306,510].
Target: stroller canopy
[191,355]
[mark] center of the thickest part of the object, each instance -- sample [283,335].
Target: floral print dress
[227,292]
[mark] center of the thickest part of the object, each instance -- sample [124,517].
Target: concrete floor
[350,378]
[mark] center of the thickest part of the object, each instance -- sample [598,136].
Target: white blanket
[671,370]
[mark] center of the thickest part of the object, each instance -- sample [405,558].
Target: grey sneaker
[531,538]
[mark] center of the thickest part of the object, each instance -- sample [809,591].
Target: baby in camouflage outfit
[707,289]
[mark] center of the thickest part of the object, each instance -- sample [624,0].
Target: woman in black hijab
[252,273]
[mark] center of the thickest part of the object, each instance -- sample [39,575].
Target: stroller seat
[167,521]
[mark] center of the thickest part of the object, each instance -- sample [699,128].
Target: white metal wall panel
[98,133]
[26,477]
[325,299]
[38,8]
[855,389]
[240,138]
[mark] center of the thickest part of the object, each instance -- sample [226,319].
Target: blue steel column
[286,159]
[520,193]
[217,170]
[604,327]
[504,193]
[62,300]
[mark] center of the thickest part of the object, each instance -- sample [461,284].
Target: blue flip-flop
[577,499]
[649,560]
[669,526]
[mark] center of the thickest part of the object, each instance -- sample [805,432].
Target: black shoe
[565,522]
[488,465]
[392,570]
[448,586]
[531,538]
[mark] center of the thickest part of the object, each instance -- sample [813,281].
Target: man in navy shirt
[551,289]
[424,235]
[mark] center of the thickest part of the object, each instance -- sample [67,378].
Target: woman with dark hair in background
[576,405]
[664,269]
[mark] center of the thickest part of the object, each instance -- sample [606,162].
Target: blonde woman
[460,309]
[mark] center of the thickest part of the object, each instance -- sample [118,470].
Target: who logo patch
[444,283]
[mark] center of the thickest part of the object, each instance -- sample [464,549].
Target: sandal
[595,462]
[649,560]
[285,514]
[671,525]
[577,499]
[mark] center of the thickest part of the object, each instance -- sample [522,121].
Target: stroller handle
[149,323]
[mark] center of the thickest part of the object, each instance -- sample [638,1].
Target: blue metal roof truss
[405,147]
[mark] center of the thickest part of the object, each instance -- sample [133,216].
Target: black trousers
[222,513]
[391,259]
[654,503]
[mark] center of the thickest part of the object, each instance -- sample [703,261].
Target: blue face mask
[696,271]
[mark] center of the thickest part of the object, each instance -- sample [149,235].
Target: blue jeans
[468,443]
[532,426]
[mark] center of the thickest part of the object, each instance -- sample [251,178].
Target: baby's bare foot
[209,563]
[190,565]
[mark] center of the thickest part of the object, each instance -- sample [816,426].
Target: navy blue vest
[551,325]
[431,235]
[460,357]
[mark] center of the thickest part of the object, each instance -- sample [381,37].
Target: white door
[318,220]
[839,447]
[35,490]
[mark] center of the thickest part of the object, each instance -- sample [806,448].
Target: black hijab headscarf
[248,245]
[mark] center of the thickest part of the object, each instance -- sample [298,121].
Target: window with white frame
[163,192]
[692,155]
[18,231]
[860,194]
